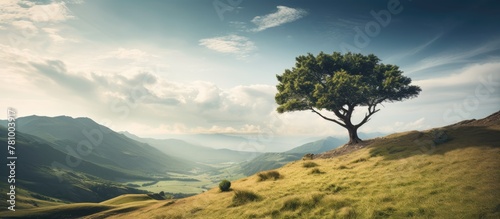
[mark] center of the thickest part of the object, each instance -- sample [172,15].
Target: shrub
[359,160]
[291,204]
[243,197]
[309,164]
[316,171]
[274,175]
[342,167]
[224,185]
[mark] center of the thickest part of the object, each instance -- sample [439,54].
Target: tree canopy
[340,82]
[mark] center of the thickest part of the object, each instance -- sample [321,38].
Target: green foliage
[274,175]
[243,197]
[331,81]
[309,164]
[224,185]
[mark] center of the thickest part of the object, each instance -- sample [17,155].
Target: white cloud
[282,16]
[12,10]
[231,44]
[53,34]
[453,58]
[122,53]
[23,24]
[469,76]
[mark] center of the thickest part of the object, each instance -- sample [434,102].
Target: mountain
[268,161]
[78,160]
[89,141]
[36,173]
[318,146]
[195,153]
[447,172]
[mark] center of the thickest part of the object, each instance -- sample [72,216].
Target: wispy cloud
[412,51]
[282,16]
[456,57]
[231,44]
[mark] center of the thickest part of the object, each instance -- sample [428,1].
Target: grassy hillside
[451,172]
[269,161]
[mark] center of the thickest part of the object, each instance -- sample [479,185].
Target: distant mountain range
[79,160]
[196,153]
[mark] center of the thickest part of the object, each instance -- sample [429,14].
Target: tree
[339,83]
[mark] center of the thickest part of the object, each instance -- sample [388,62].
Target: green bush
[309,164]
[224,185]
[274,175]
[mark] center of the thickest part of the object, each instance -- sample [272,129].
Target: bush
[309,164]
[243,197]
[274,175]
[224,185]
[291,204]
[316,171]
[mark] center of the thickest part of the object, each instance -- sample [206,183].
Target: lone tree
[339,83]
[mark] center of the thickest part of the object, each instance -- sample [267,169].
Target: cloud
[122,53]
[412,51]
[230,44]
[13,10]
[282,16]
[148,98]
[453,58]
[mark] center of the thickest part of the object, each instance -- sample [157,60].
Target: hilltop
[439,173]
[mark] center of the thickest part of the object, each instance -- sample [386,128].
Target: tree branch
[371,111]
[329,119]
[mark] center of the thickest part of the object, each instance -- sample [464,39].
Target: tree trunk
[353,135]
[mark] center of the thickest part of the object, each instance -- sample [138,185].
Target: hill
[56,163]
[196,153]
[101,145]
[316,147]
[448,172]
[268,161]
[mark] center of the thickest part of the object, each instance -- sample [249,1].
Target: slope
[448,172]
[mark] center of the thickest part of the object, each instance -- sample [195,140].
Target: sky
[160,68]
